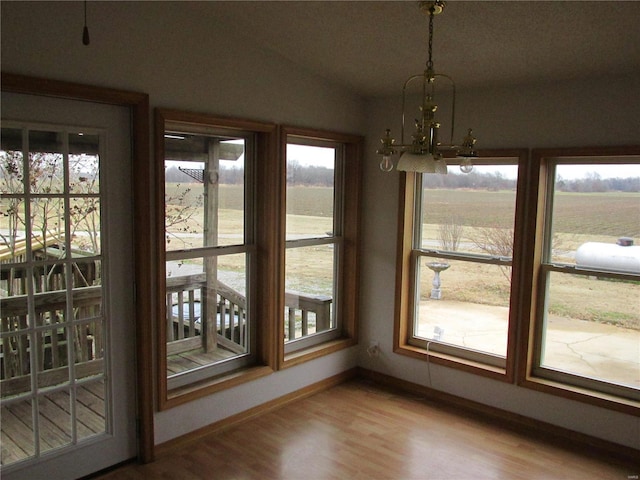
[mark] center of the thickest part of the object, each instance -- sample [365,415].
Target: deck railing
[306,314]
[187,327]
[186,318]
[44,345]
[51,339]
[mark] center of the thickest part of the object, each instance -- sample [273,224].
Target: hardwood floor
[358,430]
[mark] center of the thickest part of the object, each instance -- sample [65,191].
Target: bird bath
[437,267]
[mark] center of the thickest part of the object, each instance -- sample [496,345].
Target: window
[210,305]
[586,308]
[259,252]
[458,304]
[532,262]
[320,222]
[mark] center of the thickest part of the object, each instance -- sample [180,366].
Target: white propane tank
[622,257]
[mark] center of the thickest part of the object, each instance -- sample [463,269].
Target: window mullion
[418,208]
[491,260]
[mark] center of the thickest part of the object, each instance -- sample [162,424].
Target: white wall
[179,57]
[188,62]
[584,113]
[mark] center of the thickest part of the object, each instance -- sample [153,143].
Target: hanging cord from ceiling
[85,30]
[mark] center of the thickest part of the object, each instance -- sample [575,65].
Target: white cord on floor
[428,365]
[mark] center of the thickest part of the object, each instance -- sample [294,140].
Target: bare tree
[179,212]
[497,242]
[450,233]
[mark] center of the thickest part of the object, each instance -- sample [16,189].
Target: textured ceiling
[371,47]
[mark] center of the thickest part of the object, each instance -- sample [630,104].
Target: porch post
[210,179]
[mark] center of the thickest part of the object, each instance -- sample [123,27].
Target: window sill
[603,400]
[311,353]
[201,389]
[458,363]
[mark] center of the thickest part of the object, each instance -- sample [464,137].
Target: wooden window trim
[353,146]
[138,103]
[533,268]
[265,215]
[404,277]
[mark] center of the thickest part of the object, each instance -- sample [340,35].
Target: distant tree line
[594,183]
[323,177]
[296,175]
[312,175]
[496,181]
[473,180]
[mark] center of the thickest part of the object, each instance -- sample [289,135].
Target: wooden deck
[56,430]
[184,361]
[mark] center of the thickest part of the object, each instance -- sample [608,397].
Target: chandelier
[425,153]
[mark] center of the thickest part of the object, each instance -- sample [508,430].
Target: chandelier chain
[425,153]
[430,61]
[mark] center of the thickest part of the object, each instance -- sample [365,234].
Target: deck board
[17,436]
[191,359]
[55,421]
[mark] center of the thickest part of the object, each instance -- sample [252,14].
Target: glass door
[66,288]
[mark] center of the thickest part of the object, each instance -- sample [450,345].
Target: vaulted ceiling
[371,47]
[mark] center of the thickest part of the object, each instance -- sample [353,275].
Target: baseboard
[559,436]
[261,409]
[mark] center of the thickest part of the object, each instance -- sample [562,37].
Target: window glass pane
[84,163]
[90,409]
[87,303]
[13,242]
[465,304]
[46,162]
[54,421]
[47,227]
[592,328]
[596,216]
[86,272]
[309,285]
[204,191]
[470,213]
[310,191]
[11,162]
[49,278]
[207,312]
[20,444]
[53,356]
[85,225]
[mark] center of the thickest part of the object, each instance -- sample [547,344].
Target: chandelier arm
[453,103]
[404,95]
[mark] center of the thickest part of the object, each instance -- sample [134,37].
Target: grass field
[578,218]
[601,214]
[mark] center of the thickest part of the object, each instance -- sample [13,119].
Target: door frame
[144,276]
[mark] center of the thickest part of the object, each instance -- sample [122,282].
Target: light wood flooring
[357,430]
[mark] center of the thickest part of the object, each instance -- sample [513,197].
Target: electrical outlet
[374,348]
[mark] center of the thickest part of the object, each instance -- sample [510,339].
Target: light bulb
[465,165]
[386,165]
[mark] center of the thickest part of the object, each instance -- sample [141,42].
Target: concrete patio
[586,348]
